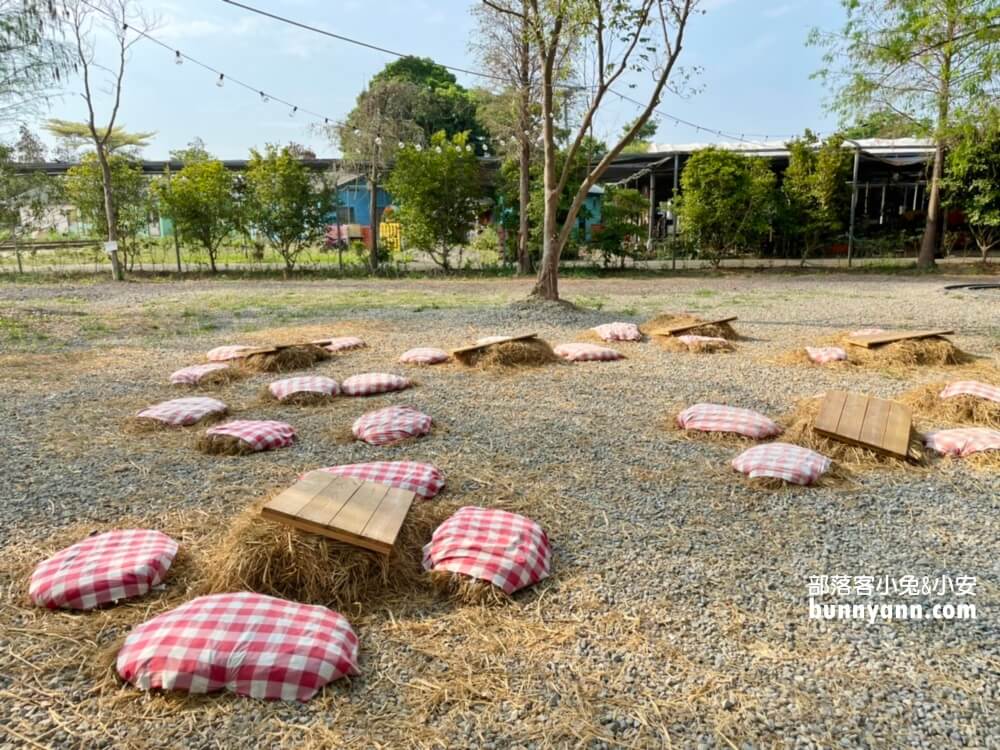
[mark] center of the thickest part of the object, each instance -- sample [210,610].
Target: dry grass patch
[286,359]
[674,344]
[510,355]
[720,330]
[962,409]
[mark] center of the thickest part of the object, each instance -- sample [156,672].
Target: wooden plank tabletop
[874,423]
[476,347]
[680,328]
[364,514]
[879,339]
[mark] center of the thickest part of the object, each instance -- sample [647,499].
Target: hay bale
[510,354]
[285,359]
[930,352]
[224,445]
[271,558]
[145,425]
[302,398]
[799,430]
[720,330]
[963,409]
[467,590]
[675,344]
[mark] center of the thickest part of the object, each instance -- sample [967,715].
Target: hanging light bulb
[400,144]
[292,111]
[357,131]
[264,97]
[438,149]
[178,60]
[221,81]
[468,147]
[418,147]
[378,140]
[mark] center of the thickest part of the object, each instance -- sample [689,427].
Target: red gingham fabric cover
[249,644]
[424,479]
[505,549]
[262,435]
[183,411]
[867,332]
[971,388]
[373,383]
[192,375]
[102,569]
[690,338]
[490,340]
[717,418]
[225,353]
[825,354]
[390,425]
[783,461]
[587,353]
[618,332]
[963,441]
[343,343]
[424,355]
[282,389]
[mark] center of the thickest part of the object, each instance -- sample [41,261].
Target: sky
[754,70]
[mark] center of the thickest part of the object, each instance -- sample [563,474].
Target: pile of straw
[799,430]
[510,354]
[467,590]
[931,352]
[271,558]
[674,344]
[285,359]
[139,425]
[721,330]
[223,445]
[303,398]
[961,410]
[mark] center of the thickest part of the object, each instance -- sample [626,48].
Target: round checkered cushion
[963,442]
[261,435]
[249,644]
[226,353]
[180,412]
[822,355]
[103,568]
[618,332]
[373,383]
[587,353]
[423,479]
[344,343]
[424,355]
[390,425]
[505,549]
[282,389]
[971,388]
[717,418]
[791,463]
[192,375]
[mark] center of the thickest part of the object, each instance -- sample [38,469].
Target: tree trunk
[373,211]
[929,243]
[524,145]
[110,212]
[547,284]
[177,249]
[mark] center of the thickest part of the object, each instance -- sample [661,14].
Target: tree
[76,135]
[972,183]
[925,60]
[29,147]
[620,227]
[85,188]
[284,204]
[816,190]
[617,36]
[193,152]
[884,123]
[201,201]
[437,190]
[726,201]
[643,140]
[118,18]
[32,57]
[24,199]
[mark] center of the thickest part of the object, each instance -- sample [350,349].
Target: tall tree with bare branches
[612,39]
[119,23]
[32,58]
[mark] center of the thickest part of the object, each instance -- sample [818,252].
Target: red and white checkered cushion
[825,354]
[183,411]
[587,353]
[390,425]
[490,340]
[690,338]
[717,418]
[261,435]
[505,549]
[282,389]
[424,355]
[225,353]
[424,479]
[249,644]
[971,388]
[192,375]
[373,383]
[344,343]
[867,332]
[102,569]
[963,441]
[618,332]
[791,463]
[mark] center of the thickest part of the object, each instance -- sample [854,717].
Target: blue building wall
[354,196]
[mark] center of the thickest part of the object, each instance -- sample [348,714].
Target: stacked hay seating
[524,350]
[885,427]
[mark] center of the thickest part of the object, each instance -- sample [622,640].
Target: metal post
[673,211]
[881,211]
[854,206]
[652,211]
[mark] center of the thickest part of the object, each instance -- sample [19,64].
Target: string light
[378,140]
[264,97]
[221,81]
[178,60]
[292,111]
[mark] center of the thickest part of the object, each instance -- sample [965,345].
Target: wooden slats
[363,514]
[477,347]
[879,339]
[682,327]
[856,419]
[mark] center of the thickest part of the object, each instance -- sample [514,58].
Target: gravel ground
[676,615]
